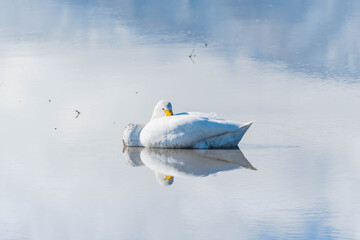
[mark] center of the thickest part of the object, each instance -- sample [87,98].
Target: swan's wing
[183,131]
[211,115]
[225,140]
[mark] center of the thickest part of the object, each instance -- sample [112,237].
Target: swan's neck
[158,113]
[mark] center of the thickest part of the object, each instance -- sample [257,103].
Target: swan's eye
[162,108]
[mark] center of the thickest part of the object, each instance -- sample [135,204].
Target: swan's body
[184,130]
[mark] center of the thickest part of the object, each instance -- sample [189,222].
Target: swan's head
[162,109]
[164,180]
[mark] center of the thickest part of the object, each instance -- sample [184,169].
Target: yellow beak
[168,177]
[168,112]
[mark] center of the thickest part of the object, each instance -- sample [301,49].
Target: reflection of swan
[184,130]
[132,156]
[170,163]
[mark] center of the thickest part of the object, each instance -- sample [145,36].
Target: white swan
[184,130]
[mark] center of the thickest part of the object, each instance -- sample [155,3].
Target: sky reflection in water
[291,66]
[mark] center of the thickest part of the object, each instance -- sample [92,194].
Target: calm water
[292,66]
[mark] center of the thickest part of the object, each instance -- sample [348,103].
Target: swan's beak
[168,113]
[169,177]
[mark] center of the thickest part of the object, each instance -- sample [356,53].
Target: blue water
[290,66]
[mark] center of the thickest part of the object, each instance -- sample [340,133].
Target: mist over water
[292,67]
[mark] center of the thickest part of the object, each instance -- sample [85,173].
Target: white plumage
[184,130]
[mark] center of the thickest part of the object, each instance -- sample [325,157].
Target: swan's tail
[246,126]
[228,139]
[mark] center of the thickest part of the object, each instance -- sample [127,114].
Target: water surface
[290,66]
